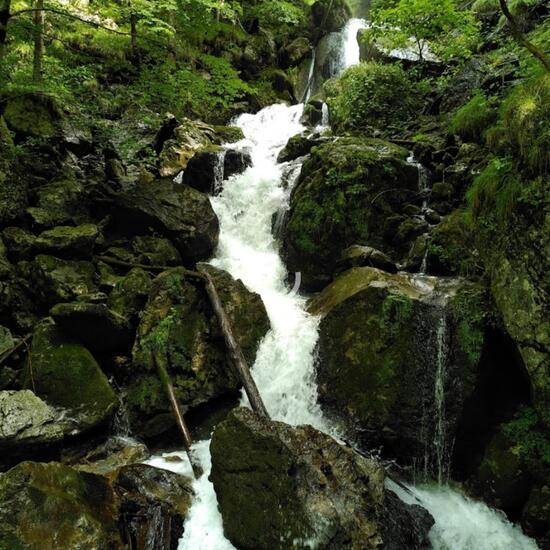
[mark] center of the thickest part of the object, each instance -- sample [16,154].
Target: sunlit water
[284,367]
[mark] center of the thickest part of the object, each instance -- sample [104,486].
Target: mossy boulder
[99,328]
[381,335]
[329,16]
[65,374]
[19,243]
[280,487]
[61,202]
[297,146]
[227,134]
[129,295]
[150,250]
[346,194]
[179,327]
[34,115]
[54,506]
[56,280]
[177,212]
[13,193]
[68,242]
[294,53]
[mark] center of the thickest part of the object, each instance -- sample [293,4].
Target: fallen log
[234,348]
[176,409]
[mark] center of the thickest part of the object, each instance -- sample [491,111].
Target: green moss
[34,115]
[472,119]
[396,311]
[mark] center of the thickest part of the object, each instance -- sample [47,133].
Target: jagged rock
[346,194]
[68,242]
[59,203]
[20,244]
[65,375]
[154,505]
[33,115]
[26,422]
[280,487]
[294,53]
[130,294]
[205,170]
[55,280]
[297,146]
[100,329]
[54,506]
[188,138]
[155,251]
[236,161]
[178,212]
[382,335]
[330,16]
[178,322]
[365,256]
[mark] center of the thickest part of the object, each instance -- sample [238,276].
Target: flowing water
[284,367]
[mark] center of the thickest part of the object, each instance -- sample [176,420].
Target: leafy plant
[473,118]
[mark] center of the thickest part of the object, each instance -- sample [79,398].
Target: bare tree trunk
[4,18]
[38,33]
[176,409]
[521,39]
[234,348]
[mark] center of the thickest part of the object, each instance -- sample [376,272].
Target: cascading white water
[284,367]
[351,52]
[440,432]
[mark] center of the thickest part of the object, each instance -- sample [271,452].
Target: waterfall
[440,432]
[284,366]
[219,171]
[311,75]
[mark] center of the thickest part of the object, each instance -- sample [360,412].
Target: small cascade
[325,120]
[440,431]
[219,169]
[311,75]
[351,50]
[120,426]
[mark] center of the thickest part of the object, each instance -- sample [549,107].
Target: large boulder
[65,374]
[68,242]
[329,15]
[54,506]
[280,487]
[179,324]
[348,193]
[99,328]
[178,212]
[398,361]
[55,280]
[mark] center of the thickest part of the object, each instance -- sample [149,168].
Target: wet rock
[27,422]
[442,197]
[236,161]
[329,16]
[64,374]
[227,134]
[432,217]
[59,203]
[205,170]
[294,53]
[179,324]
[188,138]
[154,505]
[331,495]
[33,115]
[381,335]
[417,253]
[365,256]
[68,242]
[313,112]
[155,251]
[346,194]
[409,230]
[297,146]
[54,506]
[55,280]
[129,295]
[20,244]
[100,329]
[178,212]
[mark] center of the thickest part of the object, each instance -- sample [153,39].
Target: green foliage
[279,14]
[527,435]
[371,95]
[472,119]
[440,27]
[496,190]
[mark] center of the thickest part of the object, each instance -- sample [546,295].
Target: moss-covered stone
[54,506]
[380,336]
[178,324]
[228,134]
[129,295]
[68,242]
[330,16]
[57,280]
[65,374]
[149,250]
[20,244]
[280,487]
[346,193]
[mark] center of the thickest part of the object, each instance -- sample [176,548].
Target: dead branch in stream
[176,409]
[234,348]
[153,268]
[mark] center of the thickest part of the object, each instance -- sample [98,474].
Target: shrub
[371,95]
[526,122]
[473,118]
